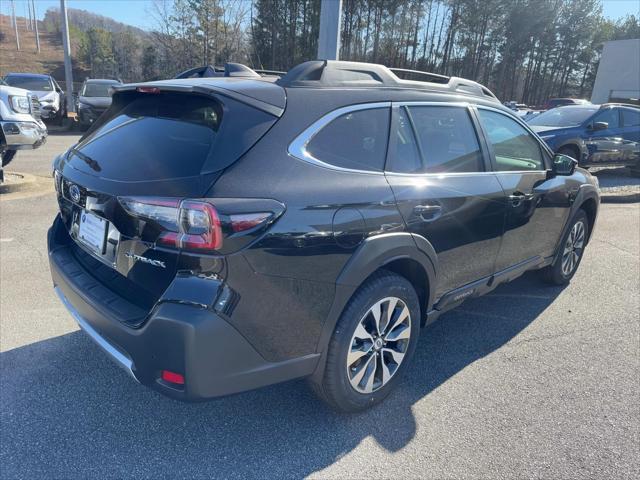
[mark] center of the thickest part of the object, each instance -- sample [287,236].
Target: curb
[612,198]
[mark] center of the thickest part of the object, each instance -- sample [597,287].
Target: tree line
[525,50]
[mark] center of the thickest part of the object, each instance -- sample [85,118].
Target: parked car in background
[93,99]
[595,135]
[559,102]
[20,124]
[217,235]
[49,93]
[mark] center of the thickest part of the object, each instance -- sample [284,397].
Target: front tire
[570,152]
[570,252]
[371,345]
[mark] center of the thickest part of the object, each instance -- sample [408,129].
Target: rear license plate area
[92,232]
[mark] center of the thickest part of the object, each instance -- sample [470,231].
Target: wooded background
[525,50]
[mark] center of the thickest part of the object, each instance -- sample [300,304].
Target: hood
[546,130]
[5,89]
[96,102]
[44,95]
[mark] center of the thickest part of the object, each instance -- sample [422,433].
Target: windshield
[96,89]
[29,83]
[563,116]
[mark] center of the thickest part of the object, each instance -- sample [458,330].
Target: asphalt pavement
[529,381]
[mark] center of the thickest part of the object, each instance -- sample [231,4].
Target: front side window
[448,139]
[514,147]
[609,116]
[356,140]
[630,118]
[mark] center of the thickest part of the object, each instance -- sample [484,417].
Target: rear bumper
[214,357]
[23,135]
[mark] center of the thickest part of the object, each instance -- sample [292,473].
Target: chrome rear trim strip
[116,355]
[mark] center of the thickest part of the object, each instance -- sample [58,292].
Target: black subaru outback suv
[218,235]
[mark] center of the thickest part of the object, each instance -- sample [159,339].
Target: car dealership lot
[529,381]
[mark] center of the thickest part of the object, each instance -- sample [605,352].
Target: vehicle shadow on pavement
[68,412]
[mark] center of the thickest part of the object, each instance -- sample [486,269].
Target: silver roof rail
[333,73]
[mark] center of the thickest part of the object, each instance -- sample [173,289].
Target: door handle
[428,213]
[518,198]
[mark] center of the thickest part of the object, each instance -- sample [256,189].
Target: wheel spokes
[396,355]
[386,373]
[362,334]
[357,354]
[362,371]
[376,312]
[402,316]
[378,344]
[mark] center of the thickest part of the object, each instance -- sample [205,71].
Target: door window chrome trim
[298,148]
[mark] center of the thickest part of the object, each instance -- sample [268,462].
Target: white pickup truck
[20,124]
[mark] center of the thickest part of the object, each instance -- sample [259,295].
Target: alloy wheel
[378,345]
[573,248]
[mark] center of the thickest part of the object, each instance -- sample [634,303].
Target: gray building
[618,77]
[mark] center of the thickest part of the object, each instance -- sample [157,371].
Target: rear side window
[448,139]
[630,118]
[169,135]
[514,147]
[356,140]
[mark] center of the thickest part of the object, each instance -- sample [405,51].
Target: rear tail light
[172,377]
[194,225]
[148,90]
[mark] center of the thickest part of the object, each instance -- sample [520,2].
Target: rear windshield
[29,83]
[155,138]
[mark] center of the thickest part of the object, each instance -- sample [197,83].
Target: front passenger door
[537,206]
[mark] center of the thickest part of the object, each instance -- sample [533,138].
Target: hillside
[50,60]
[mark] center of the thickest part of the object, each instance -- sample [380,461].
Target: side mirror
[599,126]
[564,165]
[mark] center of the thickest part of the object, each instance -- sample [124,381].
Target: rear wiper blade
[86,159]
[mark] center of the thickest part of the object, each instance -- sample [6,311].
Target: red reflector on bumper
[172,377]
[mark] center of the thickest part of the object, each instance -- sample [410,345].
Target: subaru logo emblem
[74,193]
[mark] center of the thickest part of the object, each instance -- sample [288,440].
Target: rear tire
[570,252]
[364,365]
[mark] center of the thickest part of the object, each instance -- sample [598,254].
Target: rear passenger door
[446,193]
[537,204]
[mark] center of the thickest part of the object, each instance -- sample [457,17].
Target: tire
[569,152]
[358,383]
[575,238]
[7,156]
